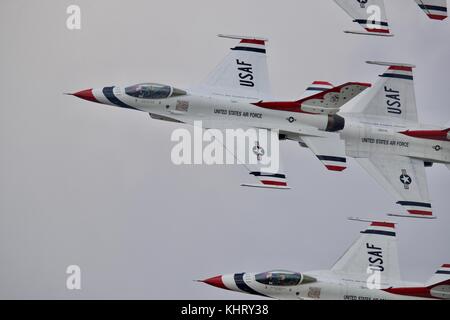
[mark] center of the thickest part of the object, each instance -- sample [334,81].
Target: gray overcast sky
[92,185]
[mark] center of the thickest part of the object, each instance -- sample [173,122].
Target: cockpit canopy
[283,278]
[153,91]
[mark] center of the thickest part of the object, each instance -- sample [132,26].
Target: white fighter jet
[382,132]
[368,270]
[371,14]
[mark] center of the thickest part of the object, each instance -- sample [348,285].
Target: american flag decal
[182,106]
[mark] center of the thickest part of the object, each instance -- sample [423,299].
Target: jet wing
[405,179]
[370,14]
[256,149]
[330,150]
[434,9]
[243,73]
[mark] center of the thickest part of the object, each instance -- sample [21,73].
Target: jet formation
[380,130]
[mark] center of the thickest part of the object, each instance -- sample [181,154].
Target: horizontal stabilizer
[316,87]
[330,101]
[323,102]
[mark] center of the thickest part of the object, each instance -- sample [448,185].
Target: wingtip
[412,216]
[368,220]
[373,34]
[336,168]
[237,37]
[437,17]
[391,64]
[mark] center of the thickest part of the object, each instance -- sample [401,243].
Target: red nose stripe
[216,282]
[86,95]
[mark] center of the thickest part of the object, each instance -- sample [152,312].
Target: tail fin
[374,251]
[393,95]
[243,73]
[370,14]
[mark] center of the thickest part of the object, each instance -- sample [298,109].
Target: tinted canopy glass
[153,91]
[282,278]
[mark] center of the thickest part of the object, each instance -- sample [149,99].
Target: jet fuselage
[327,285]
[363,135]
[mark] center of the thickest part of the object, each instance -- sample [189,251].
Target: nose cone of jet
[86,95]
[216,282]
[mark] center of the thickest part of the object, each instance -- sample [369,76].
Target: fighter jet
[371,14]
[381,131]
[231,98]
[369,270]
